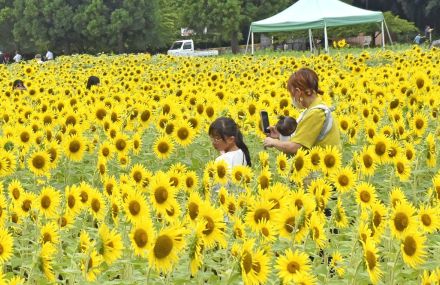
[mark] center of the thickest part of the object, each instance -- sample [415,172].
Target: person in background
[418,39]
[49,55]
[17,57]
[93,80]
[38,58]
[18,85]
[428,32]
[228,140]
[2,58]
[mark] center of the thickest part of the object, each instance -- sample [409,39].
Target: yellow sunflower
[6,244]
[365,194]
[419,123]
[372,261]
[380,148]
[431,154]
[161,192]
[39,163]
[378,220]
[163,147]
[190,181]
[24,205]
[214,231]
[136,207]
[367,161]
[300,166]
[344,179]
[221,172]
[165,249]
[402,168]
[260,210]
[194,205]
[110,244]
[402,219]
[97,205]
[429,218]
[91,264]
[330,159]
[317,232]
[282,164]
[340,216]
[286,221]
[136,143]
[397,196]
[292,265]
[183,133]
[241,174]
[337,263]
[49,233]
[47,254]
[413,249]
[74,147]
[141,237]
[15,190]
[279,194]
[106,150]
[48,202]
[264,178]
[121,143]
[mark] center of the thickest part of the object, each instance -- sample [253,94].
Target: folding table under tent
[316,14]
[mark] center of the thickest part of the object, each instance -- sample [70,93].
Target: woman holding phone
[316,125]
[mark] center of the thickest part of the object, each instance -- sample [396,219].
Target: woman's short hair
[305,80]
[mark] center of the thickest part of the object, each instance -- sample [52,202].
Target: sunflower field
[118,184]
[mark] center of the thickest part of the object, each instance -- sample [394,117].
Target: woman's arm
[288,147]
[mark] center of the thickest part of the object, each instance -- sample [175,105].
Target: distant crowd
[6,58]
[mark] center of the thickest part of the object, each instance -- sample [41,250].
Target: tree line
[73,26]
[92,26]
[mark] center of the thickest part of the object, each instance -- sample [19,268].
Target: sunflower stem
[230,273]
[148,274]
[353,281]
[394,266]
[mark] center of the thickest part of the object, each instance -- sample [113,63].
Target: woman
[316,126]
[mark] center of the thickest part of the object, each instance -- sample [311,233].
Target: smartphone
[264,121]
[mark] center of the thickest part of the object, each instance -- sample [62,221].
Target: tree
[395,24]
[227,18]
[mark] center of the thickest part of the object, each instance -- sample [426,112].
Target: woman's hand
[269,142]
[274,132]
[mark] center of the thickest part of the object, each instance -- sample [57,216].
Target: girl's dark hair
[93,80]
[226,127]
[286,125]
[17,83]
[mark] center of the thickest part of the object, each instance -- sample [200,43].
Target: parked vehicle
[186,48]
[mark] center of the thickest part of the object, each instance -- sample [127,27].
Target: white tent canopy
[314,14]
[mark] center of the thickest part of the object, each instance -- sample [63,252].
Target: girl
[228,140]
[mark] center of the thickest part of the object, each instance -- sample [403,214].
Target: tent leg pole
[325,38]
[247,42]
[310,41]
[383,35]
[388,32]
[252,43]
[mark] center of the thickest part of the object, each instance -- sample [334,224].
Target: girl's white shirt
[233,158]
